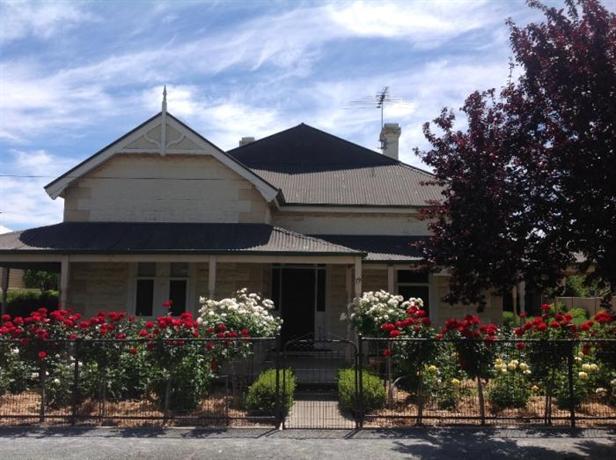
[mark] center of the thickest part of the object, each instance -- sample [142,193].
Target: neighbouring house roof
[312,167]
[380,248]
[160,238]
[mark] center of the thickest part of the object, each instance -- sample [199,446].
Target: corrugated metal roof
[313,167]
[124,237]
[380,248]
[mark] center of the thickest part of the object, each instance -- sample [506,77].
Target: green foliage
[373,391]
[510,390]
[41,279]
[442,382]
[262,398]
[185,383]
[510,320]
[579,315]
[22,302]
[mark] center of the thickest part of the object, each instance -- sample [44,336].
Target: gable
[161,135]
[140,187]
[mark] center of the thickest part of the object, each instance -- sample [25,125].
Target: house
[302,216]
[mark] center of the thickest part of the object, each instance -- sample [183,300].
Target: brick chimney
[246,140]
[390,135]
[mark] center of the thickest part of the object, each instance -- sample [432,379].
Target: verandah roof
[166,238]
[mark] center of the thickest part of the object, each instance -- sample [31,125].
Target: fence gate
[316,364]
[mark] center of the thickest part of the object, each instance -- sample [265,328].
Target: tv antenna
[379,101]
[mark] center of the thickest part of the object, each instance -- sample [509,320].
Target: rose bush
[120,357]
[368,313]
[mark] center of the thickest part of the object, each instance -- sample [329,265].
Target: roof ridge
[256,141]
[311,238]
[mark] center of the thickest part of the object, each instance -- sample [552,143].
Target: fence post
[482,406]
[359,375]
[75,382]
[570,383]
[279,395]
[42,372]
[420,402]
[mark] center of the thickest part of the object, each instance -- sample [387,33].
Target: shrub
[579,315]
[442,383]
[262,398]
[509,320]
[22,302]
[187,381]
[373,391]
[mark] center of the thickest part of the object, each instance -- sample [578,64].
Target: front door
[297,302]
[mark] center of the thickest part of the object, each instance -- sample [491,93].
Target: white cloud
[39,19]
[425,23]
[4,229]
[24,200]
[36,100]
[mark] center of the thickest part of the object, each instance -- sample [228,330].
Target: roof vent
[246,140]
[390,136]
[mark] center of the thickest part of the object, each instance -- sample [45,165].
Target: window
[321,289]
[414,284]
[178,287]
[157,283]
[144,301]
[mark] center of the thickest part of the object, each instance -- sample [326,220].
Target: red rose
[132,350]
[394,333]
[545,307]
[520,345]
[149,325]
[554,324]
[6,317]
[387,352]
[42,355]
[168,303]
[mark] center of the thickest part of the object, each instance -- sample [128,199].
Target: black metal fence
[563,382]
[194,382]
[335,383]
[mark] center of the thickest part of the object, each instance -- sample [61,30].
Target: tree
[532,178]
[566,95]
[40,279]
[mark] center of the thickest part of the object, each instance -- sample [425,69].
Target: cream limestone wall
[493,311]
[95,287]
[351,223]
[374,279]
[172,188]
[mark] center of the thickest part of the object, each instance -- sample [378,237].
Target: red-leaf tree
[531,179]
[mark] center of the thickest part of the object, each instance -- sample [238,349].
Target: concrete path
[456,443]
[317,412]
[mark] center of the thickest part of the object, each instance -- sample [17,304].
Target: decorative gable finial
[163,124]
[164,108]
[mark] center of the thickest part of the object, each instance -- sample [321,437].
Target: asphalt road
[458,443]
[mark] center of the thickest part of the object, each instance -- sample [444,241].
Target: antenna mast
[381,98]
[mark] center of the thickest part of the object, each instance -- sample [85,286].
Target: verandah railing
[204,382]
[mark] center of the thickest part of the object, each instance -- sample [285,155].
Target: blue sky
[75,76]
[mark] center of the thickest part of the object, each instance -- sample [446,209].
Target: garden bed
[217,410]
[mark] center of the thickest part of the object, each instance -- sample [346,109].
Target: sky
[75,76]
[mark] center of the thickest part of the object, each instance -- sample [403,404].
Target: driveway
[450,443]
